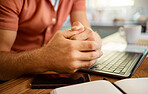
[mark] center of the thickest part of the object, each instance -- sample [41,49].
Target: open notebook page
[134,85]
[94,87]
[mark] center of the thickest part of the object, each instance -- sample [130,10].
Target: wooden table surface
[21,85]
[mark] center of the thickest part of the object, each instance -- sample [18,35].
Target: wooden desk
[22,85]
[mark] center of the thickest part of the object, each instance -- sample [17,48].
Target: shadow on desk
[1,82]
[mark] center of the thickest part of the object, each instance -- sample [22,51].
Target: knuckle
[89,64]
[91,45]
[72,71]
[71,46]
[73,68]
[93,38]
[76,23]
[92,62]
[91,32]
[74,38]
[58,33]
[92,35]
[92,55]
[72,56]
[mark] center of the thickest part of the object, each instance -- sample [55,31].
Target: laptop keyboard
[115,62]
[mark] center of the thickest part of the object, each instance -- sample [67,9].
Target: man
[31,42]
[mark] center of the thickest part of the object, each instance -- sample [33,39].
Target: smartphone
[50,81]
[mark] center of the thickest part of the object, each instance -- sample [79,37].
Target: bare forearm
[60,55]
[15,64]
[81,17]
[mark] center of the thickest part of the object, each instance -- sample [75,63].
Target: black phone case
[50,81]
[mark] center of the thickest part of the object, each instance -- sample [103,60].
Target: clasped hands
[87,34]
[70,50]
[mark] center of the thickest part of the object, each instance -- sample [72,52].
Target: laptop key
[117,63]
[117,71]
[112,62]
[128,65]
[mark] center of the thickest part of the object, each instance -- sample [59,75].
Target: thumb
[77,26]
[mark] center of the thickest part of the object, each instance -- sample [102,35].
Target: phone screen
[50,81]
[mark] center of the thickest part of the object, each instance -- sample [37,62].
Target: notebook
[119,64]
[126,86]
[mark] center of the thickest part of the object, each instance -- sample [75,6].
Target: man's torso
[35,21]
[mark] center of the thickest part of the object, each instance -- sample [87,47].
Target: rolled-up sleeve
[9,14]
[79,5]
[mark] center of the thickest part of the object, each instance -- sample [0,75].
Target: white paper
[94,87]
[134,85]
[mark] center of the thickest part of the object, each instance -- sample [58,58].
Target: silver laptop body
[118,64]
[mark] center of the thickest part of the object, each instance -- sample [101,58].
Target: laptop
[119,64]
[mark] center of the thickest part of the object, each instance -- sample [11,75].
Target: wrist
[36,62]
[44,59]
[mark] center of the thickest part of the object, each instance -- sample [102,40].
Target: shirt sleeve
[9,14]
[79,5]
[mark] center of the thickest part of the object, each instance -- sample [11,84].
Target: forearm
[81,17]
[16,64]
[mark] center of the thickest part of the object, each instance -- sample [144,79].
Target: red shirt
[35,21]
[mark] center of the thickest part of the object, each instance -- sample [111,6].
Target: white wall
[142,4]
[129,13]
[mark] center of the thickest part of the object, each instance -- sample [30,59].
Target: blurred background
[106,16]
